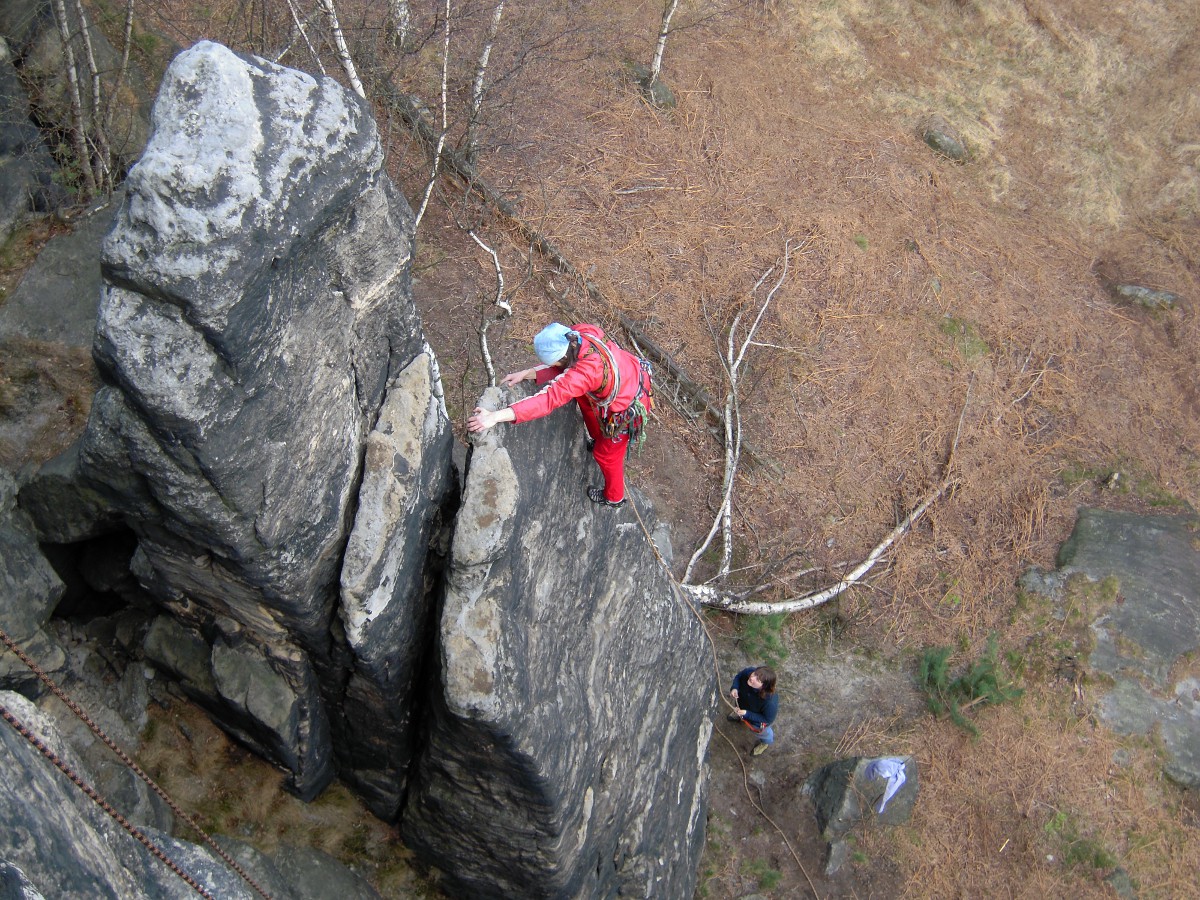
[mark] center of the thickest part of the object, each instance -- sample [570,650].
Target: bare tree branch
[499,301]
[303,31]
[737,603]
[732,363]
[710,596]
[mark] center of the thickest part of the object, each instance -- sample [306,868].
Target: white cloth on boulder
[891,768]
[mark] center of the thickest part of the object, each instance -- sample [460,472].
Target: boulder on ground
[940,136]
[1149,623]
[845,795]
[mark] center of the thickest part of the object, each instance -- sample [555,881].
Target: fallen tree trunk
[728,601]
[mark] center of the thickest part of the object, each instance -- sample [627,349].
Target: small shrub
[966,338]
[761,638]
[760,871]
[983,682]
[1074,848]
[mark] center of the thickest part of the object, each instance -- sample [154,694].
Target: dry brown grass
[995,813]
[230,792]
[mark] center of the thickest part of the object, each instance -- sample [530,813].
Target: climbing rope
[681,597]
[132,765]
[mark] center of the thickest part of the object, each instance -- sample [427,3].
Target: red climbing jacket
[589,381]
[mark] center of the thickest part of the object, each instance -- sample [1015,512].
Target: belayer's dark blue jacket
[760,710]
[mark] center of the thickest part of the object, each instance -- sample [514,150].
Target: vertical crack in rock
[569,730]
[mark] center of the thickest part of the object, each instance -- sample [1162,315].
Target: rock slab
[256,311]
[570,723]
[1155,624]
[844,796]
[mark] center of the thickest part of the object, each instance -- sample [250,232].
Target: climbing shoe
[591,445]
[596,495]
[759,749]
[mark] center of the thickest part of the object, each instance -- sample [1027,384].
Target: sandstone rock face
[390,563]
[29,591]
[570,728]
[256,311]
[64,845]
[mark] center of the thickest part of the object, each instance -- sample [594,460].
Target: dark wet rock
[58,298]
[63,508]
[14,885]
[570,722]
[26,167]
[844,796]
[312,875]
[66,846]
[941,136]
[46,329]
[30,590]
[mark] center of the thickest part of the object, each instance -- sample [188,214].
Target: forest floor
[933,320]
[928,308]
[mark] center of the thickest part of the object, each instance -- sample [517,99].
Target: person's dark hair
[767,676]
[572,354]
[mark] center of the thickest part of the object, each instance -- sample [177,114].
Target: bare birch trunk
[343,51]
[656,66]
[103,173]
[79,137]
[471,150]
[441,142]
[400,19]
[123,70]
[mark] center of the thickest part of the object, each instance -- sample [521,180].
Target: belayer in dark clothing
[756,703]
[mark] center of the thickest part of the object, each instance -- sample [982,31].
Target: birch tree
[343,51]
[471,147]
[79,133]
[399,22]
[661,46]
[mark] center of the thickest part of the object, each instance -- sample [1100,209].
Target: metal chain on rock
[134,767]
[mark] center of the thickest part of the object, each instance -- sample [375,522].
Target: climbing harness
[632,419]
[608,363]
[129,762]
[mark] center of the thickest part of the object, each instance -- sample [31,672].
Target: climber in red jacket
[611,386]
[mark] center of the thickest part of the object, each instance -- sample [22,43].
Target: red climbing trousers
[609,453]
